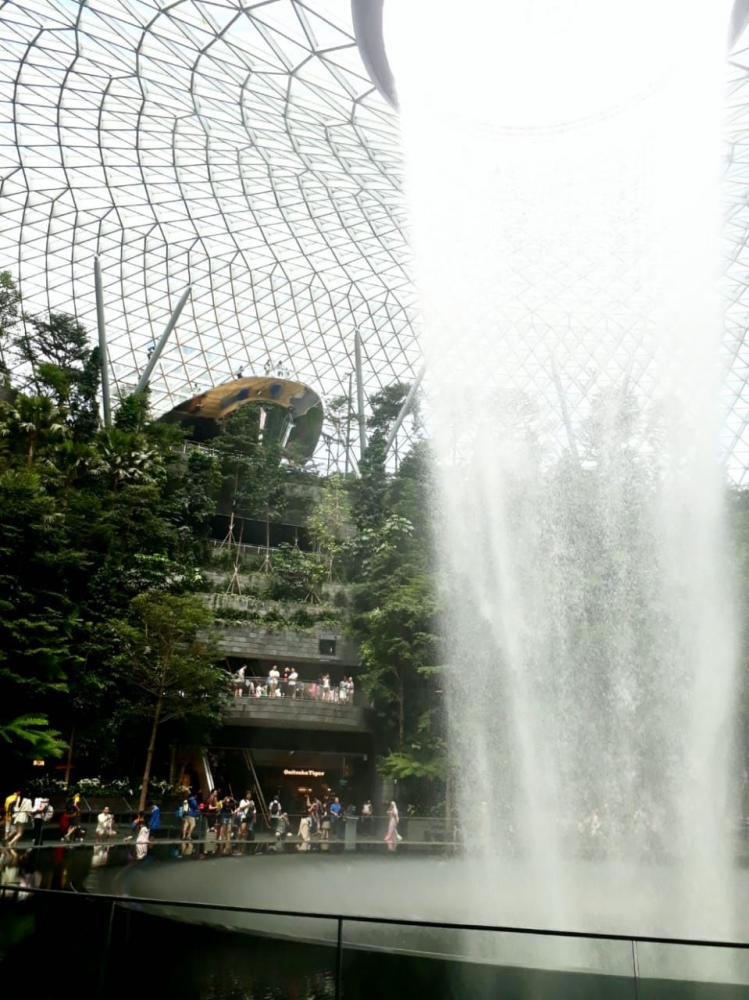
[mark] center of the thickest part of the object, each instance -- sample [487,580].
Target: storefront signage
[303,774]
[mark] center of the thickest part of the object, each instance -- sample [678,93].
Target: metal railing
[19,893]
[304,693]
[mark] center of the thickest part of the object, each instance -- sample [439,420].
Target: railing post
[339,962]
[103,991]
[635,969]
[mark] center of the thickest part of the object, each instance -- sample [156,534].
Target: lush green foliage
[166,660]
[89,519]
[103,536]
[395,617]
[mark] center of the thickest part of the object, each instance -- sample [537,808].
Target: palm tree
[125,458]
[36,422]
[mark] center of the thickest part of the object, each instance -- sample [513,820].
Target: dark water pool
[72,943]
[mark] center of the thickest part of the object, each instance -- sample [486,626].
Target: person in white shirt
[21,816]
[293,678]
[273,679]
[247,814]
[104,823]
[239,681]
[39,814]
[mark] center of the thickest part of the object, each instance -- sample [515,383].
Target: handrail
[387,921]
[250,764]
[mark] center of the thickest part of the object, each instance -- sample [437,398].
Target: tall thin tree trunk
[149,756]
[448,802]
[401,714]
[69,761]
[173,765]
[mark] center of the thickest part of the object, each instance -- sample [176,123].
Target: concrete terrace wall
[290,713]
[287,645]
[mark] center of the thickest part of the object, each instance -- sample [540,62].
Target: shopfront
[296,776]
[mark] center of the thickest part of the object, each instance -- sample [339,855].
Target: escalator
[234,772]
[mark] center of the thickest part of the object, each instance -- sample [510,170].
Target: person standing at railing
[41,811]
[273,678]
[336,814]
[292,682]
[275,810]
[366,819]
[304,833]
[154,818]
[226,816]
[247,814]
[239,681]
[392,836]
[211,808]
[104,824]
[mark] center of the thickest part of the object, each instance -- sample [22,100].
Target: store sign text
[303,774]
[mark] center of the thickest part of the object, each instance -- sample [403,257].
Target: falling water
[562,166]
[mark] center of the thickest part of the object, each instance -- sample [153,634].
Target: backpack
[275,808]
[49,812]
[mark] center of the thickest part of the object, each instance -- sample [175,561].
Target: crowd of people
[287,684]
[221,818]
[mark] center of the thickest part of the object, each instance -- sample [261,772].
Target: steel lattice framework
[235,146]
[736,271]
[241,148]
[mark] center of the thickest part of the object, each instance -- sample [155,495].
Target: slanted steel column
[360,395]
[106,406]
[143,381]
[565,412]
[403,412]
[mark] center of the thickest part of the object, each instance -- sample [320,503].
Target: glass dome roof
[237,147]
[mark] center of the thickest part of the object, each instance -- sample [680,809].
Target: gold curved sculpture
[302,406]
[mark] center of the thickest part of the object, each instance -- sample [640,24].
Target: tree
[62,366]
[369,492]
[36,616]
[328,520]
[395,617]
[167,658]
[385,406]
[32,425]
[10,301]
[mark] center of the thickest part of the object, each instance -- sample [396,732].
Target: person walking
[141,842]
[38,815]
[304,833]
[154,818]
[21,817]
[392,837]
[190,813]
[10,804]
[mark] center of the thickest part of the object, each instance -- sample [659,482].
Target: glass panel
[680,971]
[179,951]
[444,964]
